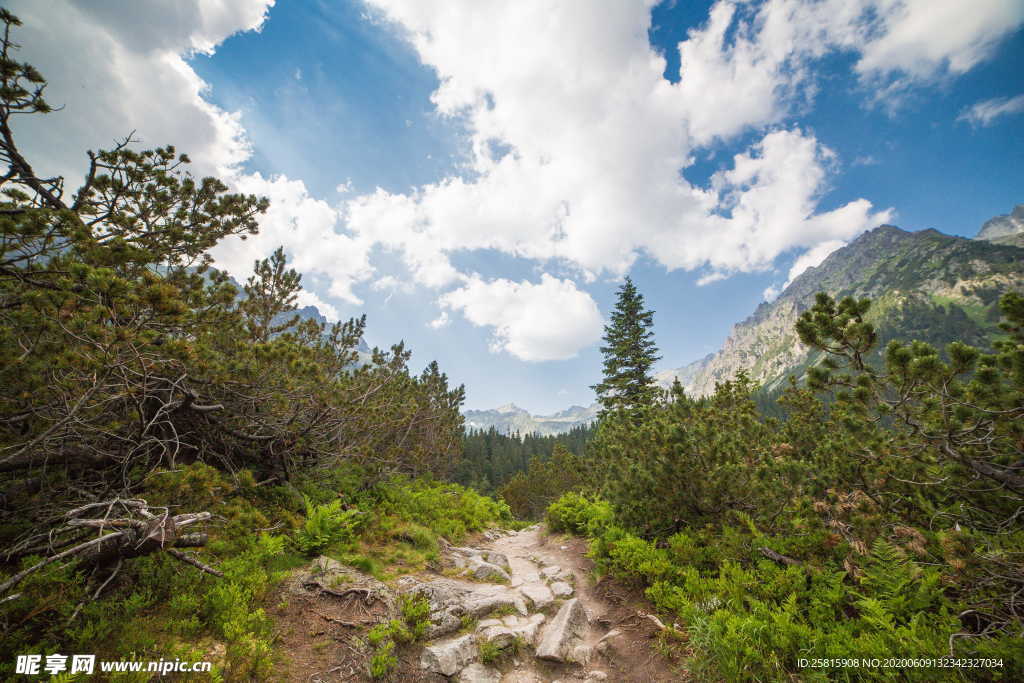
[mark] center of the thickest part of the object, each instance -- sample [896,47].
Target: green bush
[577,514]
[326,525]
[448,510]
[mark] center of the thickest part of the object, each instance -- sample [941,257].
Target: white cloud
[129,73]
[985,112]
[440,321]
[551,320]
[309,230]
[576,139]
[118,71]
[591,177]
[926,38]
[308,298]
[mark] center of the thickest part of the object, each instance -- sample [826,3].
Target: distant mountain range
[510,419]
[925,285]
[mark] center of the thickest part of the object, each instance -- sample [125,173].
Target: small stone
[551,571]
[597,676]
[539,594]
[561,589]
[448,657]
[478,673]
[580,654]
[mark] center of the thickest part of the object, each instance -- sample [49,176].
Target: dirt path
[514,607]
[619,636]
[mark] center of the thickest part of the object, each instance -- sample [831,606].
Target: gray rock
[561,589]
[496,558]
[537,593]
[448,657]
[597,676]
[564,633]
[510,629]
[451,600]
[485,571]
[551,571]
[478,673]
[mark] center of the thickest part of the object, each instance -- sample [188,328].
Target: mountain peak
[1005,225]
[509,408]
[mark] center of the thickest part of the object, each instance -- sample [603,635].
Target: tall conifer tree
[629,353]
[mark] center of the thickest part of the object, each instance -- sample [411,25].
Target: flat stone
[497,559]
[478,673]
[521,677]
[564,633]
[552,571]
[537,593]
[485,571]
[451,601]
[513,628]
[597,676]
[561,589]
[448,657]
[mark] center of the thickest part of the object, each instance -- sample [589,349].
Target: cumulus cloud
[549,320]
[310,230]
[985,112]
[118,71]
[576,141]
[586,169]
[128,73]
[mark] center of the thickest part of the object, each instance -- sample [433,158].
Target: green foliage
[491,460]
[449,510]
[326,525]
[879,514]
[576,513]
[383,660]
[529,493]
[490,652]
[130,368]
[412,627]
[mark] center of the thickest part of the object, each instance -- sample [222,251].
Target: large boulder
[448,657]
[563,637]
[451,600]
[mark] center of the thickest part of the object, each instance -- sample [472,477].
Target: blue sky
[477,177]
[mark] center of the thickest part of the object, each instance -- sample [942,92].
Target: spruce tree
[629,353]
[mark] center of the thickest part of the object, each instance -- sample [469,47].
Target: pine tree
[629,354]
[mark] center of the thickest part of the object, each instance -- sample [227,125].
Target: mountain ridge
[950,283]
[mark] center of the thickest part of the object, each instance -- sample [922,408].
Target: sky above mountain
[477,176]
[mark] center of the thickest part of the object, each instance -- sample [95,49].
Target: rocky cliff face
[1006,229]
[511,418]
[925,285]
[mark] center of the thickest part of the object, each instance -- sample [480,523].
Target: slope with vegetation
[170,446]
[880,519]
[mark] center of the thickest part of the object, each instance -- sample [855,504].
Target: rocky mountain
[925,285]
[1005,229]
[510,418]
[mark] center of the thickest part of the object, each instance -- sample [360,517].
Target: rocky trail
[516,607]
